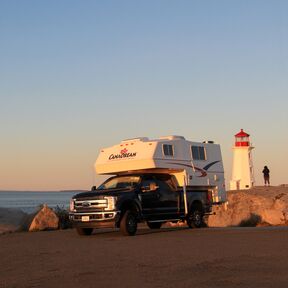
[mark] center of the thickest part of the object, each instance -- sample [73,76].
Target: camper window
[198,153]
[168,150]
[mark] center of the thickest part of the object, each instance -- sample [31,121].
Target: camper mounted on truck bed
[155,181]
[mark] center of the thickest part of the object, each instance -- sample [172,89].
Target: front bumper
[95,219]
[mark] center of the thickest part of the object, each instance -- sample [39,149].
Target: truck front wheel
[195,218]
[84,231]
[128,224]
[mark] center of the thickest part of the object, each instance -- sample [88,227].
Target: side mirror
[93,188]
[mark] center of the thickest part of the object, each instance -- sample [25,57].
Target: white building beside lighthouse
[242,169]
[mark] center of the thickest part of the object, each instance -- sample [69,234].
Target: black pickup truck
[124,201]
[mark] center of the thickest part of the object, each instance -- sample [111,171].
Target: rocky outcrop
[44,219]
[11,220]
[254,207]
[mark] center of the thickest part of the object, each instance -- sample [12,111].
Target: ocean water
[28,201]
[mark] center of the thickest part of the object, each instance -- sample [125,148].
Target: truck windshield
[120,182]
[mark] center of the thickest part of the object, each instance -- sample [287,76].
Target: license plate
[85,218]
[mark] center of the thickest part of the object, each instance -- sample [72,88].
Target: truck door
[168,200]
[150,198]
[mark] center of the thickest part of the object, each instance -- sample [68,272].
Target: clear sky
[76,76]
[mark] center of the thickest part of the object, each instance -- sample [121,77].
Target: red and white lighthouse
[242,169]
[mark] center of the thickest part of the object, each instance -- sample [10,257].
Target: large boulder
[257,206]
[11,220]
[44,219]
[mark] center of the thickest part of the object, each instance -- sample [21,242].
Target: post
[185,197]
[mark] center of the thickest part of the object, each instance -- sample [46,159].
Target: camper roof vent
[172,137]
[143,139]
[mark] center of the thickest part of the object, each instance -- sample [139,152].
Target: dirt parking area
[169,257]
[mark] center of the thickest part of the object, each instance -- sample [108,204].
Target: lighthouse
[242,169]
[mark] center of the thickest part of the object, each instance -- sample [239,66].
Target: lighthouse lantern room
[242,169]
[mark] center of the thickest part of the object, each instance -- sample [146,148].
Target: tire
[154,225]
[128,223]
[195,218]
[84,231]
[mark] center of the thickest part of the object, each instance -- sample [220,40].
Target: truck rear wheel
[84,231]
[154,225]
[128,224]
[195,218]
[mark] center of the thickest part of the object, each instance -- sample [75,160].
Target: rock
[273,217]
[257,206]
[44,219]
[11,220]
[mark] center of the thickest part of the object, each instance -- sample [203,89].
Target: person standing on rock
[266,174]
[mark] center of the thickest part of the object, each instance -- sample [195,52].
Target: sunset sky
[76,76]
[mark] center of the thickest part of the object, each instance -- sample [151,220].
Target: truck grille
[86,204]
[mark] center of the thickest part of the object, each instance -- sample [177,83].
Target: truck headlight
[111,201]
[72,205]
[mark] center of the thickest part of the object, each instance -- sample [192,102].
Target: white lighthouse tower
[242,170]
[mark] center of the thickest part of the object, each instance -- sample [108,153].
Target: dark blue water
[29,201]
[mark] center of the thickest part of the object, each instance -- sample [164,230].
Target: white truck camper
[195,164]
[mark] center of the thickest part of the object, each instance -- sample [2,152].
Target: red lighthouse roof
[242,139]
[242,134]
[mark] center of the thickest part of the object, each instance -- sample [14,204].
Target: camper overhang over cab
[192,163]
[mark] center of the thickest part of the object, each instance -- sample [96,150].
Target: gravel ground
[169,257]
